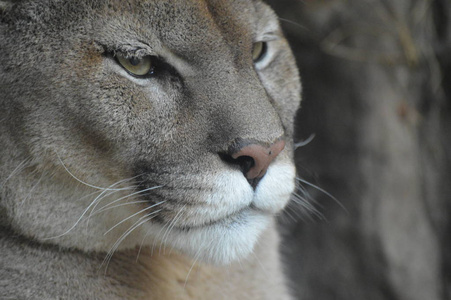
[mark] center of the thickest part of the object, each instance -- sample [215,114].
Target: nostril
[244,162]
[253,159]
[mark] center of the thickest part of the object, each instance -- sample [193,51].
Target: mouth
[227,221]
[225,203]
[196,216]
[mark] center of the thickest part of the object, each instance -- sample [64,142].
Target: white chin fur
[220,243]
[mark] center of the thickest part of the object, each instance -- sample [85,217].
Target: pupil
[134,61]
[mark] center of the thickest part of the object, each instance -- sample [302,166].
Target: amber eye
[136,66]
[258,51]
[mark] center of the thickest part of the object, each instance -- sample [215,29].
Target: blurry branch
[392,39]
[379,33]
[407,44]
[334,44]
[394,26]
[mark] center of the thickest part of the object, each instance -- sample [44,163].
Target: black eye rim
[263,52]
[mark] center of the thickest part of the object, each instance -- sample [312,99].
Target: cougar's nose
[254,159]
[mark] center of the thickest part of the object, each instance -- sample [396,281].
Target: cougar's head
[128,123]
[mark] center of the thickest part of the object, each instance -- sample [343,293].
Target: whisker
[264,269]
[169,229]
[293,23]
[110,191]
[22,203]
[137,213]
[142,244]
[287,213]
[157,238]
[76,178]
[128,196]
[118,205]
[306,204]
[196,258]
[171,226]
[308,207]
[20,167]
[110,253]
[304,142]
[94,202]
[324,192]
[306,197]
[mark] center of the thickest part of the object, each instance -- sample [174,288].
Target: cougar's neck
[165,274]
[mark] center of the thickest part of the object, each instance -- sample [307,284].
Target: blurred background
[377,99]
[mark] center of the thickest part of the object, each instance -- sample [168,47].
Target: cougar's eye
[136,66]
[258,51]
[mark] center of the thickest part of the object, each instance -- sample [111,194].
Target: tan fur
[114,186]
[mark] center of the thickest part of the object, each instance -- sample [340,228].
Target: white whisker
[142,244]
[22,203]
[110,191]
[171,226]
[137,213]
[196,258]
[118,205]
[305,194]
[305,142]
[303,202]
[307,207]
[110,253]
[264,269]
[125,197]
[324,192]
[93,203]
[287,213]
[293,23]
[76,178]
[18,169]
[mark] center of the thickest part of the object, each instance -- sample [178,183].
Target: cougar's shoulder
[137,134]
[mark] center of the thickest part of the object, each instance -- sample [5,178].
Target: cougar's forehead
[207,21]
[190,29]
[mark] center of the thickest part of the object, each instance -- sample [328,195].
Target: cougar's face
[149,122]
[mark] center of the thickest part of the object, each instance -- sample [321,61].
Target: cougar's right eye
[138,67]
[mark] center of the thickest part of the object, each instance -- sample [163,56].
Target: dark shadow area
[376,94]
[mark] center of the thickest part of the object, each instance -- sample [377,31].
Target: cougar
[145,149]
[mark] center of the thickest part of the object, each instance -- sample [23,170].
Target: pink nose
[255,159]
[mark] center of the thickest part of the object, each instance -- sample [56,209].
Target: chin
[222,242]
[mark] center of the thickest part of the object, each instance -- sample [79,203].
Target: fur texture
[113,185]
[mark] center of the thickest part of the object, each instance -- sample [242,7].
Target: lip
[227,219]
[262,211]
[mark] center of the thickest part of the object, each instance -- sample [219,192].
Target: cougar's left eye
[259,51]
[136,66]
